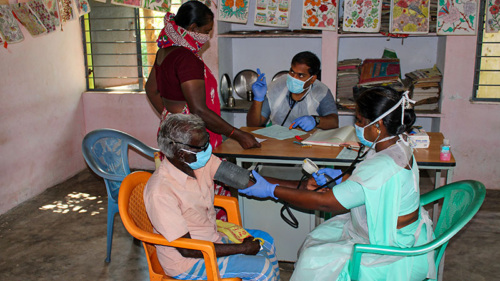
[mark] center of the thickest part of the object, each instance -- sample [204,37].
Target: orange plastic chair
[136,221]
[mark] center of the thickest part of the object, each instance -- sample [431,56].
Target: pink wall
[473,128]
[41,128]
[127,112]
[44,116]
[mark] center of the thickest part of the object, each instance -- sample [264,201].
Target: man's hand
[306,123]
[259,88]
[250,246]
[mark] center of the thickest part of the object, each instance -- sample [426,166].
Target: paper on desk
[347,154]
[260,140]
[279,132]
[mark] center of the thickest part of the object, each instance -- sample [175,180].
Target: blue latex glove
[259,88]
[261,189]
[306,123]
[332,173]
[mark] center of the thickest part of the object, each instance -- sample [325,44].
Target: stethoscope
[292,103]
[292,220]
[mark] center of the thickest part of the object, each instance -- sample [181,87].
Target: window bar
[479,48]
[89,73]
[139,48]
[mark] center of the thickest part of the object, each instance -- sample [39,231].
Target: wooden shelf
[271,35]
[347,35]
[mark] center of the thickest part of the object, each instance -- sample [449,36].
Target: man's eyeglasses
[203,148]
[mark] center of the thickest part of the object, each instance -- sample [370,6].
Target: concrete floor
[61,235]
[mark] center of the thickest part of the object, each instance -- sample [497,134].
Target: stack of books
[379,71]
[386,16]
[426,84]
[347,78]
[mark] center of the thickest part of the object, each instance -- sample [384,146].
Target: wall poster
[272,13]
[457,17]
[28,19]
[82,6]
[362,15]
[233,11]
[319,14]
[39,9]
[9,28]
[131,3]
[53,7]
[493,16]
[409,16]
[160,5]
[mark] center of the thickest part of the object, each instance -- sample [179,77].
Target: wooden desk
[286,152]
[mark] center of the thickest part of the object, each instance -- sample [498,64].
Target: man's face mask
[295,85]
[202,157]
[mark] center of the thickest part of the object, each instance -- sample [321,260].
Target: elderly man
[298,99]
[179,201]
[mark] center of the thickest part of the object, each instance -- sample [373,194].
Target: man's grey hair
[179,128]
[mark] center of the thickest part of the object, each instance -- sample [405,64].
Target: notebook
[334,137]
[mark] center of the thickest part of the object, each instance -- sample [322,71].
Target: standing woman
[378,204]
[180,82]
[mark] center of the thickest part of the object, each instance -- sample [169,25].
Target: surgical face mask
[360,133]
[202,157]
[404,102]
[199,37]
[295,85]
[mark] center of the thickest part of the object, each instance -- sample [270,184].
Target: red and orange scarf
[174,35]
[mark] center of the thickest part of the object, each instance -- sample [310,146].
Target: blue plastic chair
[106,153]
[461,202]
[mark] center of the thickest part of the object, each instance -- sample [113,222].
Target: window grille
[487,69]
[120,45]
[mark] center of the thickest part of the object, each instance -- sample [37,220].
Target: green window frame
[487,68]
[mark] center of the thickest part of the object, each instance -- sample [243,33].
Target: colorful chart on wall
[130,3]
[66,10]
[82,6]
[39,9]
[319,14]
[457,17]
[206,2]
[160,5]
[9,28]
[409,16]
[362,15]
[53,8]
[493,16]
[272,13]
[28,19]
[233,11]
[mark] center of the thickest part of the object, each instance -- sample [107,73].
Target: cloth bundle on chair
[106,153]
[136,221]
[461,202]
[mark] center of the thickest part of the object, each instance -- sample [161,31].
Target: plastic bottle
[445,154]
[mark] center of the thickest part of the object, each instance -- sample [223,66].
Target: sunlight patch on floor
[73,203]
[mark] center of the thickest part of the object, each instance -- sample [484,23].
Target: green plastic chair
[461,202]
